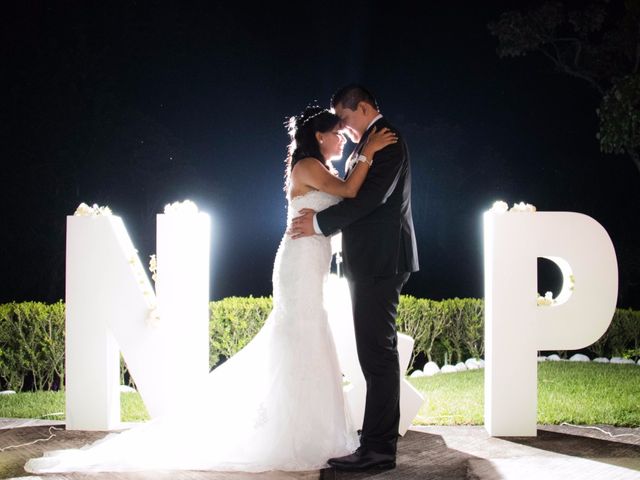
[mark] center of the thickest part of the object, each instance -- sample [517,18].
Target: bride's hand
[377,140]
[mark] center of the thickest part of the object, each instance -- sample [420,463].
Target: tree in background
[598,43]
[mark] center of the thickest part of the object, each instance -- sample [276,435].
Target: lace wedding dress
[275,405]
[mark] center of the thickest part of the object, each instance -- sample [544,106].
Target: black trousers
[375,306]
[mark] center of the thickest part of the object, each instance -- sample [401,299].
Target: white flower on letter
[85,210]
[500,207]
[546,300]
[522,207]
[181,208]
[153,267]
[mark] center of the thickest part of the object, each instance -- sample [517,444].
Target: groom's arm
[316,227]
[380,182]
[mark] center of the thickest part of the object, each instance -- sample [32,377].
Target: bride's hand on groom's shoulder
[302,225]
[378,139]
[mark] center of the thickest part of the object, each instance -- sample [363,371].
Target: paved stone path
[435,452]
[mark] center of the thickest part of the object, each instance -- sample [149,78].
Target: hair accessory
[306,120]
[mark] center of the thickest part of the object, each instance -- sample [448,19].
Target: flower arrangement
[153,267]
[502,207]
[181,208]
[522,207]
[546,301]
[85,210]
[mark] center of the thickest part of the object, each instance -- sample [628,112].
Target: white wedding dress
[275,405]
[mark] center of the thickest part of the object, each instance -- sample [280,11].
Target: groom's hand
[302,226]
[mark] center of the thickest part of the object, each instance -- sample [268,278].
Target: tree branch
[564,67]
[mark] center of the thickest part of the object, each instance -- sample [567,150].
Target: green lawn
[50,405]
[578,393]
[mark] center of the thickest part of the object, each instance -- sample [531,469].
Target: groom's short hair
[351,95]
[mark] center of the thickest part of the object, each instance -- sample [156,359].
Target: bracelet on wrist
[363,158]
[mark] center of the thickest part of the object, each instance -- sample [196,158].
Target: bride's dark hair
[302,131]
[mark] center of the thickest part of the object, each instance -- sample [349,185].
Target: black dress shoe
[364,459]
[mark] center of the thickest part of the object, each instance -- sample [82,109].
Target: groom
[379,252]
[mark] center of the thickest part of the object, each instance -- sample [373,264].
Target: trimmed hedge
[233,321]
[451,330]
[31,345]
[622,338]
[447,328]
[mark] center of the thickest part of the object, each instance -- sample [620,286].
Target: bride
[277,404]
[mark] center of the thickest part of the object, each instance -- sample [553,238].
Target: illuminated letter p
[516,327]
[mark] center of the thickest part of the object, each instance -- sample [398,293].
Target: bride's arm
[312,173]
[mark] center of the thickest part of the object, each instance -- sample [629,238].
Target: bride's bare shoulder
[306,161]
[305,167]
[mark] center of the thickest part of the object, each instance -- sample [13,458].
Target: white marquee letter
[108,302]
[516,327]
[341,321]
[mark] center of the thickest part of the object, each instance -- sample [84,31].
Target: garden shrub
[233,322]
[450,330]
[463,334]
[32,345]
[622,338]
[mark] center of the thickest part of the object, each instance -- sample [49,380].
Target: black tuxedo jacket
[377,226]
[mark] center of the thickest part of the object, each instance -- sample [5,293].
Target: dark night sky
[135,105]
